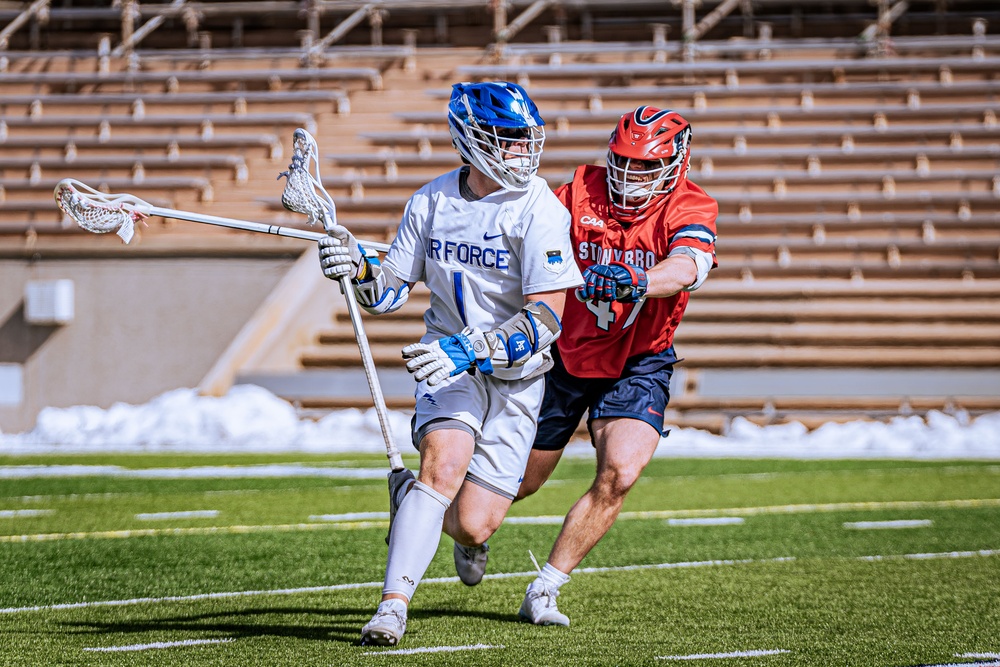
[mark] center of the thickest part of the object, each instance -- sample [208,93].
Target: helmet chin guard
[496,127]
[648,157]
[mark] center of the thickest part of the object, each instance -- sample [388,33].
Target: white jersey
[480,258]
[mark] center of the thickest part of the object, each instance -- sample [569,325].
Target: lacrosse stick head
[98,212]
[304,192]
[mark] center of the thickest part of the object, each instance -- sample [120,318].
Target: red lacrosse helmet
[648,156]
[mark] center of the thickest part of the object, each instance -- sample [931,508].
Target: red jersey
[598,338]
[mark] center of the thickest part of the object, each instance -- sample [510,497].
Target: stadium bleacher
[855,159]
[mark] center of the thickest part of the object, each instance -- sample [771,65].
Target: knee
[444,477]
[614,483]
[470,535]
[480,534]
[528,486]
[540,465]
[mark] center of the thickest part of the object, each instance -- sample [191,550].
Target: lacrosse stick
[304,193]
[101,213]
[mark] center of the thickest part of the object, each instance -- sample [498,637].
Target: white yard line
[191,514]
[155,645]
[450,580]
[434,649]
[330,524]
[934,556]
[23,514]
[550,520]
[708,521]
[734,654]
[349,488]
[268,471]
[345,587]
[978,656]
[355,516]
[879,525]
[967,664]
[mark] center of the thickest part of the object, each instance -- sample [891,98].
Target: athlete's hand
[616,281]
[340,255]
[449,356]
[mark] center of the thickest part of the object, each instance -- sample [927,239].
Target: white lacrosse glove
[449,356]
[340,255]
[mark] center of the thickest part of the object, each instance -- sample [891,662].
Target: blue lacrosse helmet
[496,127]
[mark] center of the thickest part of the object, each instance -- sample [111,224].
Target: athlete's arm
[528,333]
[674,274]
[556,301]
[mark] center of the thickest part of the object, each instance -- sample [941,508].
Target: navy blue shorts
[642,392]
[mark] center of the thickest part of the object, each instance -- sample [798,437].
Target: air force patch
[553,261]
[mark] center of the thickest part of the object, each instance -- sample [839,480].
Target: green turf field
[262,574]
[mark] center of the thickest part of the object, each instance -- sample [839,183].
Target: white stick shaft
[262,227]
[395,460]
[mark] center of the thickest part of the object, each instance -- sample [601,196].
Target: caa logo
[593,222]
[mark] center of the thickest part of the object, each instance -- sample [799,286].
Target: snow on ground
[251,419]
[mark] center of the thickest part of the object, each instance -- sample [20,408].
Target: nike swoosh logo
[654,412]
[487,237]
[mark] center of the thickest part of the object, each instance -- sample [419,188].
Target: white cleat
[387,625]
[470,563]
[400,482]
[539,606]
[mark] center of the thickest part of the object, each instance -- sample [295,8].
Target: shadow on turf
[346,625]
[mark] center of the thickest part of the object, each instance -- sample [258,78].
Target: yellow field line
[205,530]
[786,509]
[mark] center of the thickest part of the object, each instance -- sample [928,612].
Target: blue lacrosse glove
[616,281]
[449,356]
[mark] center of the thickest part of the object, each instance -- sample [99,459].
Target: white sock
[416,533]
[552,578]
[393,604]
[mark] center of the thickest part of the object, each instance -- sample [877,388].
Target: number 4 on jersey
[606,316]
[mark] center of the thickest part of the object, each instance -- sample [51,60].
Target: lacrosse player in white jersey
[491,242]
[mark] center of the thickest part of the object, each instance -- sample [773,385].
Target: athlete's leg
[541,463]
[624,447]
[416,532]
[475,514]
[496,470]
[565,401]
[444,458]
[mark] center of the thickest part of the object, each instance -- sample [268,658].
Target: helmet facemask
[496,128]
[508,155]
[635,184]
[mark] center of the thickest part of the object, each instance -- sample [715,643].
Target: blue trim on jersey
[694,231]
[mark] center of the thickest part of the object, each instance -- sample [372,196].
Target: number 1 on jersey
[458,280]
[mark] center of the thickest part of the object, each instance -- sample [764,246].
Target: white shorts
[503,416]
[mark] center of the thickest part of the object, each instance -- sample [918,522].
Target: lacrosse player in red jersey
[644,237]
[491,242]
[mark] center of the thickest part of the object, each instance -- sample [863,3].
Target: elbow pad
[703,263]
[531,331]
[382,291]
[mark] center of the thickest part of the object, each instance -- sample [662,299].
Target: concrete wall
[141,327]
